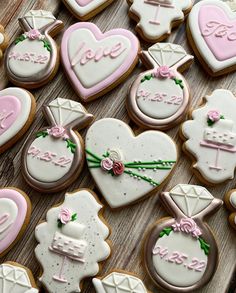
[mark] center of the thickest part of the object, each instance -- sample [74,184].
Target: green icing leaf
[146,77]
[20,39]
[204,246]
[166,232]
[59,224]
[74,217]
[179,82]
[222,117]
[71,145]
[42,133]
[47,45]
[210,122]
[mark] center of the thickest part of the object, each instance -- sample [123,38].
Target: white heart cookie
[212,31]
[124,167]
[86,9]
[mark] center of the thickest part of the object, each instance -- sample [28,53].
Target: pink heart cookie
[96,62]
[15,210]
[84,2]
[212,31]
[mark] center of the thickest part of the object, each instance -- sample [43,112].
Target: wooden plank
[129,224]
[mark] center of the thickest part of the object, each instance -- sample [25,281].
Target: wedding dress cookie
[126,167]
[32,60]
[54,156]
[156,18]
[159,98]
[72,242]
[181,253]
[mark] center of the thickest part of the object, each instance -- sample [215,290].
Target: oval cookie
[17,110]
[15,210]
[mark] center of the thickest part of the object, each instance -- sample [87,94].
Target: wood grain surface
[129,224]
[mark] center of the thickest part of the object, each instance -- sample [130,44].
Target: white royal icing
[119,282]
[15,279]
[233,199]
[82,41]
[8,211]
[112,134]
[70,254]
[180,274]
[84,7]
[214,147]
[2,38]
[24,99]
[156,17]
[38,19]
[46,170]
[19,63]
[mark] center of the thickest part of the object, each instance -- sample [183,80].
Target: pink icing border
[21,203]
[83,92]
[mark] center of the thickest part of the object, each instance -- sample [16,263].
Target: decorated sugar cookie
[211,137]
[119,281]
[230,201]
[3,41]
[86,9]
[15,210]
[32,59]
[212,34]
[156,18]
[126,167]
[53,157]
[15,278]
[72,242]
[181,253]
[17,110]
[159,97]
[96,62]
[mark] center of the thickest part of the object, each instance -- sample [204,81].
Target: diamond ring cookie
[32,60]
[119,281]
[230,201]
[17,111]
[159,98]
[156,18]
[212,35]
[54,156]
[86,9]
[211,137]
[126,167]
[74,237]
[181,253]
[96,62]
[15,278]
[15,210]
[3,41]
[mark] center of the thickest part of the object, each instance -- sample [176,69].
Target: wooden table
[129,224]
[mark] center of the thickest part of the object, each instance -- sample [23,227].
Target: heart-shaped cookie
[86,9]
[17,109]
[126,167]
[212,33]
[15,209]
[96,62]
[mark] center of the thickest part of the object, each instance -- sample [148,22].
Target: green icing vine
[46,44]
[178,82]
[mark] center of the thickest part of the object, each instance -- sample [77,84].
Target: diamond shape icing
[191,199]
[167,54]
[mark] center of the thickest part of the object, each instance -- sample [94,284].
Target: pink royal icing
[218,31]
[114,52]
[16,227]
[84,2]
[10,108]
